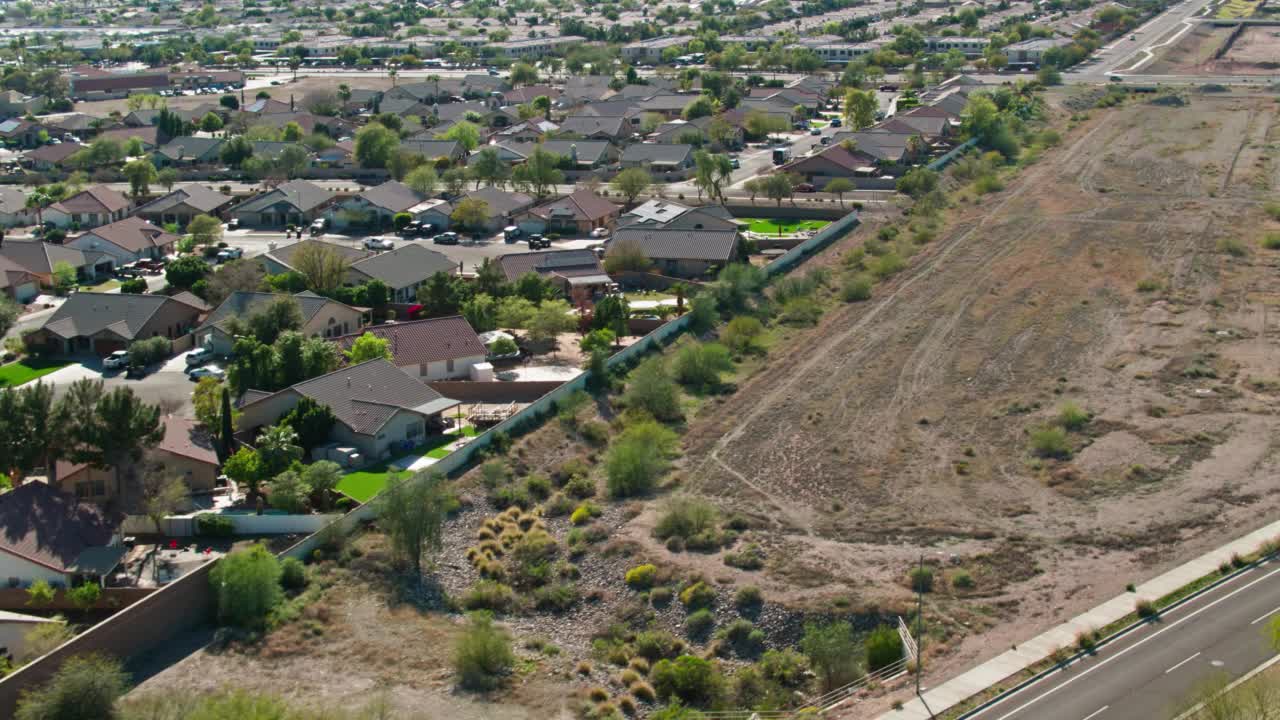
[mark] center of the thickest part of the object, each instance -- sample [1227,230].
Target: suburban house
[502,205]
[17,283]
[402,270]
[833,162]
[181,205]
[49,536]
[187,452]
[17,132]
[281,259]
[666,215]
[189,151]
[13,208]
[650,51]
[48,157]
[14,103]
[296,202]
[575,214]
[569,269]
[14,628]
[102,323]
[682,252]
[379,408]
[88,208]
[39,258]
[884,146]
[613,129]
[581,155]
[127,240]
[682,131]
[376,206]
[443,348]
[432,149]
[666,162]
[320,317]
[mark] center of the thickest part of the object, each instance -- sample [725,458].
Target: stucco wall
[27,572]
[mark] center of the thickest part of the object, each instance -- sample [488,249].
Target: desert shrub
[660,597]
[697,596]
[651,388]
[1148,285]
[748,596]
[643,691]
[1086,642]
[988,184]
[832,653]
[1072,416]
[787,668]
[857,287]
[495,473]
[654,645]
[215,525]
[698,365]
[570,468]
[642,577]
[746,640]
[884,648]
[482,655]
[800,312]
[699,623]
[690,679]
[887,265]
[511,496]
[86,686]
[595,432]
[742,334]
[530,559]
[584,513]
[750,557]
[1232,247]
[580,487]
[557,505]
[921,579]
[1050,442]
[489,595]
[638,457]
[293,574]
[627,705]
[1271,241]
[1273,210]
[557,598]
[538,485]
[597,694]
[1146,609]
[246,586]
[684,516]
[962,580]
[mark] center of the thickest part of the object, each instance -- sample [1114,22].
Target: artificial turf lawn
[776,226]
[17,373]
[363,485]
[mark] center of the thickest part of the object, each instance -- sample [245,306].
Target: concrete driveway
[166,384]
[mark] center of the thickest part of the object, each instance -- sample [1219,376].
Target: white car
[199,356]
[600,233]
[116,360]
[378,243]
[204,372]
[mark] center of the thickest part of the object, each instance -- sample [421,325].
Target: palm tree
[38,200]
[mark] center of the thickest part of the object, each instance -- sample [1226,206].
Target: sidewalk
[972,682]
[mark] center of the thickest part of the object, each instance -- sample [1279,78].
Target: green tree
[470,213]
[711,172]
[278,448]
[442,294]
[40,593]
[611,313]
[205,230]
[778,187]
[539,174]
[884,648]
[85,595]
[481,311]
[626,256]
[690,679]
[742,334]
[289,492]
[322,477]
[466,134]
[703,313]
[186,271]
[246,587]
[140,174]
[312,422]
[236,151]
[9,312]
[245,468]
[64,276]
[597,341]
[423,179]
[838,187]
[116,432]
[523,74]
[324,268]
[698,365]
[832,652]
[375,145]
[482,655]
[701,106]
[167,178]
[86,687]
[412,513]
[368,347]
[514,312]
[650,388]
[550,320]
[736,285]
[278,316]
[860,108]
[631,183]
[211,122]
[226,430]
[488,167]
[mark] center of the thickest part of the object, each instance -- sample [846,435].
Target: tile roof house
[280,260]
[431,149]
[17,132]
[296,202]
[375,207]
[127,240]
[183,204]
[833,162]
[46,535]
[682,252]
[88,208]
[503,205]
[13,208]
[102,323]
[402,269]
[882,145]
[17,283]
[443,348]
[39,258]
[47,157]
[613,128]
[668,162]
[379,409]
[189,151]
[578,213]
[570,269]
[321,317]
[582,154]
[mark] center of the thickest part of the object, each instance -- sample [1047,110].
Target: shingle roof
[12,200]
[364,397]
[656,243]
[393,195]
[133,234]
[48,527]
[431,148]
[588,125]
[98,198]
[501,202]
[565,263]
[197,196]
[89,313]
[243,303]
[581,203]
[657,153]
[588,151]
[184,437]
[299,193]
[189,147]
[406,266]
[54,153]
[39,257]
[284,255]
[422,341]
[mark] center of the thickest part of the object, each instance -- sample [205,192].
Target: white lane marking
[1264,617]
[1136,645]
[1097,712]
[1184,662]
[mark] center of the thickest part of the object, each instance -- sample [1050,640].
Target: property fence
[952,154]
[17,599]
[493,392]
[242,524]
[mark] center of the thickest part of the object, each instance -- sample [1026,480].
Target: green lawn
[774,226]
[17,373]
[103,287]
[363,485]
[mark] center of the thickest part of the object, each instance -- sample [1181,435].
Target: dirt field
[899,427]
[1256,51]
[298,90]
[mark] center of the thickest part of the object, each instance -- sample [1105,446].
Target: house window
[448,365]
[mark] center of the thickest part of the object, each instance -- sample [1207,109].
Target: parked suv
[199,356]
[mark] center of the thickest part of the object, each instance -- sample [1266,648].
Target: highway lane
[1149,672]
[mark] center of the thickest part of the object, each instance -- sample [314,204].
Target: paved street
[1149,673]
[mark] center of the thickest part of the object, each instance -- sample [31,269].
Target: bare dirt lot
[900,426]
[1254,51]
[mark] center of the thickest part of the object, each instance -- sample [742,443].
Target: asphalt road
[1150,672]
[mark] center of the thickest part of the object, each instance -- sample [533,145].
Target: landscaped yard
[17,373]
[1236,9]
[107,286]
[363,485]
[776,226]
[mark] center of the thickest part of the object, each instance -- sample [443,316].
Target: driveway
[166,385]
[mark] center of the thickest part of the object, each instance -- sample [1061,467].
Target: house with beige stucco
[321,317]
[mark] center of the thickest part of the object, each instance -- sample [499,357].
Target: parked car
[446,238]
[199,356]
[233,224]
[510,233]
[231,253]
[600,233]
[319,225]
[537,242]
[805,188]
[836,121]
[378,243]
[413,229]
[826,140]
[815,131]
[734,162]
[135,372]
[116,360]
[204,372]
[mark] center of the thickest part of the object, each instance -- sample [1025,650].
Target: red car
[804,188]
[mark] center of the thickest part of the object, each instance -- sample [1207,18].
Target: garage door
[26,292]
[106,347]
[532,226]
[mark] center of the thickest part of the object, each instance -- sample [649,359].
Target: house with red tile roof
[127,240]
[45,534]
[441,348]
[89,208]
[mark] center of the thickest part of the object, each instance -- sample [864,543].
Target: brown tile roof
[48,527]
[134,234]
[579,204]
[96,199]
[565,263]
[183,437]
[422,341]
